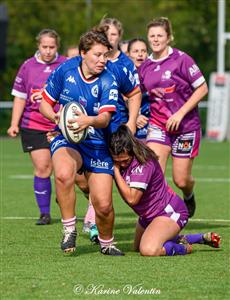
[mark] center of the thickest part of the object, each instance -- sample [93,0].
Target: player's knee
[103,209]
[183,182]
[43,171]
[150,250]
[64,178]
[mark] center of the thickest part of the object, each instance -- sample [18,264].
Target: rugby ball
[67,113]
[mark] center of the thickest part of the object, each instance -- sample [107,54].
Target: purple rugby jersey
[148,177]
[179,76]
[32,77]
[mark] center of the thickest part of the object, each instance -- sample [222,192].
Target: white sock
[69,224]
[105,243]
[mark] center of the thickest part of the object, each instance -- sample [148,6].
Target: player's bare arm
[130,195]
[174,121]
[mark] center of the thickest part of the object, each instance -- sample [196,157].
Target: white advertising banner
[218,107]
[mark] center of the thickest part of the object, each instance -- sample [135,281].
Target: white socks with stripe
[105,243]
[69,224]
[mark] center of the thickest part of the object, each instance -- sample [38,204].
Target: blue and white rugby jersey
[97,95]
[127,79]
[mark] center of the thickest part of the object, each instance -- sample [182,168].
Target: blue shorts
[175,210]
[95,159]
[141,133]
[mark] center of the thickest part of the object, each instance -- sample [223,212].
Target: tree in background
[194,23]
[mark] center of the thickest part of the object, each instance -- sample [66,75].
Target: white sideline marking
[203,179]
[80,219]
[31,218]
[210,167]
[195,166]
[198,179]
[21,176]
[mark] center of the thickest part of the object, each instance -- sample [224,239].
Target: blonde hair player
[175,86]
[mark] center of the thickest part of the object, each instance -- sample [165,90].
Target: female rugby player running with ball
[84,79]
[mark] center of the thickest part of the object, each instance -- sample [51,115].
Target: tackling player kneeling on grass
[162,213]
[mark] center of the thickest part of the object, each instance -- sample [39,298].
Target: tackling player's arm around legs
[83,79]
[162,213]
[175,86]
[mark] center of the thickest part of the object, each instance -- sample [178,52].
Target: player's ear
[83,53]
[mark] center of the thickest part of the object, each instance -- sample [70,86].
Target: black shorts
[33,139]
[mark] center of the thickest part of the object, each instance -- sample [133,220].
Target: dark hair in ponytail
[123,141]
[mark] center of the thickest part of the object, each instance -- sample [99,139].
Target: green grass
[33,267]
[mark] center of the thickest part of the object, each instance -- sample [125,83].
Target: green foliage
[194,25]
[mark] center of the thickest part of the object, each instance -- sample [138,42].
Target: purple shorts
[175,210]
[185,145]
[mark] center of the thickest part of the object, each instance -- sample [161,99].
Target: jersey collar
[160,59]
[36,55]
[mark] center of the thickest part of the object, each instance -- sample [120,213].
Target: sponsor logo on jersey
[125,70]
[193,70]
[137,78]
[66,91]
[71,79]
[96,107]
[131,78]
[82,101]
[157,68]
[113,95]
[94,90]
[91,130]
[170,89]
[99,164]
[127,179]
[65,98]
[183,222]
[18,79]
[167,75]
[47,70]
[180,52]
[138,170]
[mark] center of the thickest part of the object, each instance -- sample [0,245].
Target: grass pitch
[33,267]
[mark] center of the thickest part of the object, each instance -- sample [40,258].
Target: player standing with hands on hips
[175,86]
[27,119]
[84,79]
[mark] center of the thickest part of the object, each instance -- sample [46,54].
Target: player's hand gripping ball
[69,112]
